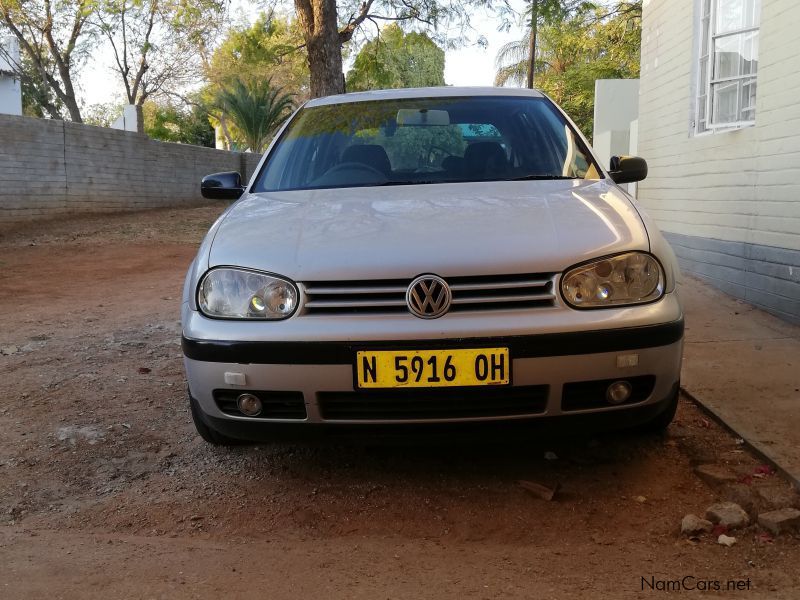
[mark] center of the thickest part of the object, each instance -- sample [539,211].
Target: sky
[471,64]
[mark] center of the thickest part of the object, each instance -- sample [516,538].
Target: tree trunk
[319,24]
[68,96]
[532,55]
[74,110]
[139,119]
[227,134]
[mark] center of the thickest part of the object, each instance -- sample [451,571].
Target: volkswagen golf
[428,258]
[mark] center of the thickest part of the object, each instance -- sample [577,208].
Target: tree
[38,98]
[591,43]
[323,36]
[156,44]
[396,60]
[271,48]
[54,38]
[255,109]
[170,123]
[548,11]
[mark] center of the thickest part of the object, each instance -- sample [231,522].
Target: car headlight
[630,278]
[231,293]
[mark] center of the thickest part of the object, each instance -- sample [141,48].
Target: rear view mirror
[422,116]
[222,186]
[627,169]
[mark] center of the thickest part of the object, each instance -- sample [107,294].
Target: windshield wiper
[540,177]
[481,180]
[415,182]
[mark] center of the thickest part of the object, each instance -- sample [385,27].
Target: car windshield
[425,141]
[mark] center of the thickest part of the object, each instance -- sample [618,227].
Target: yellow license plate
[432,368]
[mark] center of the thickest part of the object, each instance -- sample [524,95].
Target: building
[10,90]
[719,124]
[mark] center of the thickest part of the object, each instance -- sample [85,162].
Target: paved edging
[754,447]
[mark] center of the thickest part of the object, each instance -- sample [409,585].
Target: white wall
[128,120]
[10,90]
[740,186]
[616,104]
[729,202]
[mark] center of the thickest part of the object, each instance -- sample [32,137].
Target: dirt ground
[107,492]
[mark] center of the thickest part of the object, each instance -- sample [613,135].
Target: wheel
[212,436]
[661,421]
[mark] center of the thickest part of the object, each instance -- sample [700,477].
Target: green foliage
[170,123]
[584,44]
[38,98]
[397,60]
[269,49]
[254,109]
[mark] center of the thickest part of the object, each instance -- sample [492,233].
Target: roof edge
[427,92]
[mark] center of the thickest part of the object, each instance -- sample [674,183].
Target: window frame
[704,92]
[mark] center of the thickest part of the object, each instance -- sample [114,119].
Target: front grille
[430,404]
[495,292]
[277,405]
[592,394]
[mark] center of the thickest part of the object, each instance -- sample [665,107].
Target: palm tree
[559,47]
[255,109]
[512,62]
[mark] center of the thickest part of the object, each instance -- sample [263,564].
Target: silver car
[430,257]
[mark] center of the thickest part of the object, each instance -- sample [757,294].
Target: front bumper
[548,365]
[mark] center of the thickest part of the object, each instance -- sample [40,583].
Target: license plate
[432,368]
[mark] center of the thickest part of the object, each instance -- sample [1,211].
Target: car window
[425,141]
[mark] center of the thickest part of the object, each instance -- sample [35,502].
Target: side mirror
[222,186]
[627,169]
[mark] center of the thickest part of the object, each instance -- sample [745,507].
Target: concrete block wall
[48,168]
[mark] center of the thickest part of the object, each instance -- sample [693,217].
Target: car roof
[429,92]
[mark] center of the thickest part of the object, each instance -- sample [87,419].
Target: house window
[728,64]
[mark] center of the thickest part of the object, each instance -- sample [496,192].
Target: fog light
[618,392]
[249,405]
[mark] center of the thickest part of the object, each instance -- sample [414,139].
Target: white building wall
[10,89]
[731,199]
[128,120]
[616,104]
[743,185]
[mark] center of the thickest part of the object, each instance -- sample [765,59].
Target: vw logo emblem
[428,297]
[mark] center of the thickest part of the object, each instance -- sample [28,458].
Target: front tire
[210,435]
[661,421]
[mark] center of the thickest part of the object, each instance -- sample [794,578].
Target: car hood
[448,229]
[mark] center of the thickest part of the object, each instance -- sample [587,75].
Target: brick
[715,475]
[729,514]
[778,521]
